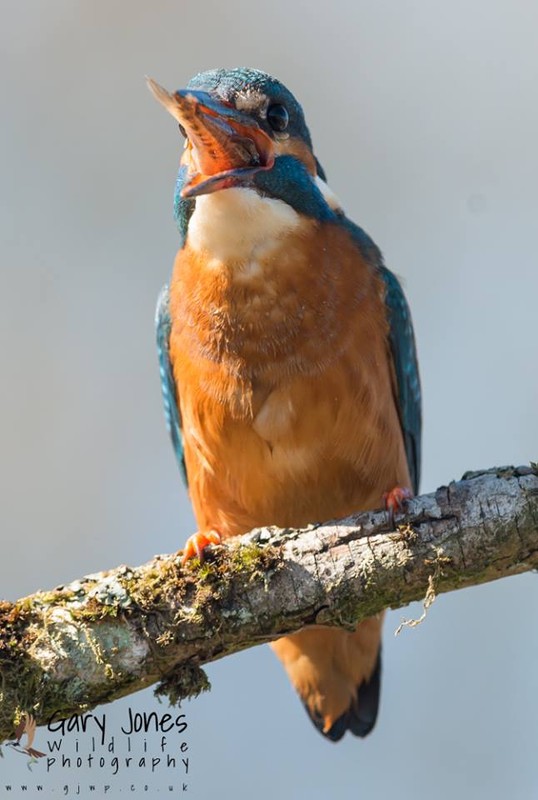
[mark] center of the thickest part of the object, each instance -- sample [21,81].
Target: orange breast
[284,379]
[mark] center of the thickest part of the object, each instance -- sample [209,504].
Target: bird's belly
[315,449]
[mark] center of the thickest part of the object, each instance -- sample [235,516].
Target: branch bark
[115,632]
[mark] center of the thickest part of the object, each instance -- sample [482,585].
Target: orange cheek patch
[294,147]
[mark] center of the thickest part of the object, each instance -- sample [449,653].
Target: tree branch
[113,633]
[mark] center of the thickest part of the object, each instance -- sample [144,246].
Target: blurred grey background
[424,115]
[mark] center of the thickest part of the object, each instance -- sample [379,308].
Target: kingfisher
[287,357]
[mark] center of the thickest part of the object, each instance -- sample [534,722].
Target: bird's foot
[396,500]
[197,543]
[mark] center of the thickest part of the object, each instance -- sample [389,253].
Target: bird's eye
[182,130]
[278,117]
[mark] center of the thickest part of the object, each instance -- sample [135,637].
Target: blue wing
[403,351]
[404,356]
[163,324]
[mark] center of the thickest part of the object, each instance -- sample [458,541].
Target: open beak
[225,147]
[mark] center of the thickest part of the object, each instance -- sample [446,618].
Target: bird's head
[243,128]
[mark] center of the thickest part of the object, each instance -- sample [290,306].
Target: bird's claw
[196,544]
[396,500]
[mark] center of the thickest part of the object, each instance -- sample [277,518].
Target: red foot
[196,544]
[396,500]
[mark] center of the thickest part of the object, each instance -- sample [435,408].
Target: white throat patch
[234,224]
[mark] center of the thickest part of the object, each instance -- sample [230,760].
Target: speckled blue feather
[182,208]
[163,324]
[404,356]
[228,83]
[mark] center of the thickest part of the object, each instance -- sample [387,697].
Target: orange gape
[287,357]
